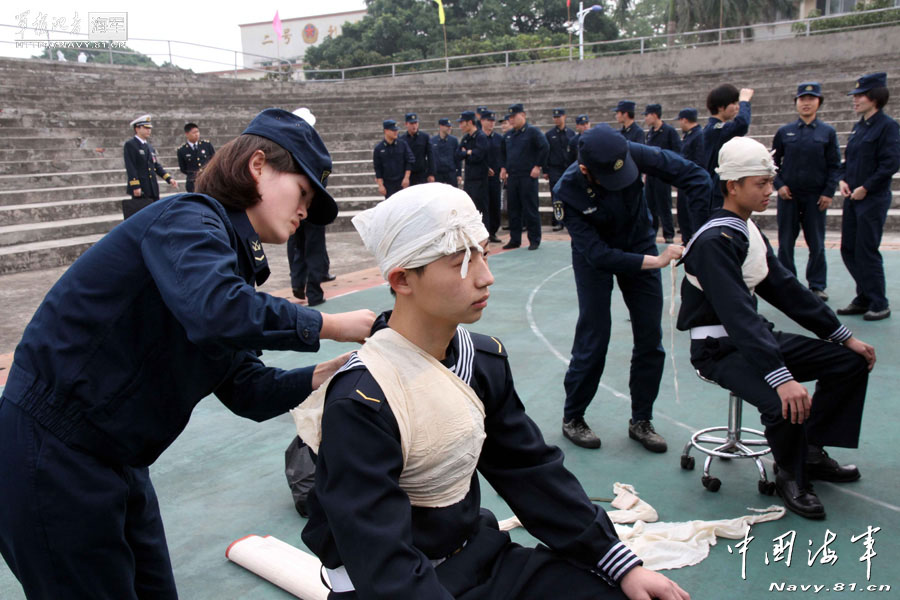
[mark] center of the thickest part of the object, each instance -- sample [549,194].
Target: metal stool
[733,445]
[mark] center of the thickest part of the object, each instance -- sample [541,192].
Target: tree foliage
[858,17]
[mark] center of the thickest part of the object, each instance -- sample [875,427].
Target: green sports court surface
[224,477]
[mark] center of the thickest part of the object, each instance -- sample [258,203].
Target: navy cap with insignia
[444,122]
[624,106]
[390,124]
[656,109]
[466,115]
[688,113]
[488,115]
[481,110]
[582,120]
[869,82]
[515,108]
[605,154]
[503,119]
[809,88]
[303,142]
[142,121]
[559,112]
[412,118]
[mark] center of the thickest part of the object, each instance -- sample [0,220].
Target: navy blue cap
[688,113]
[514,108]
[624,106]
[582,119]
[303,142]
[390,124]
[488,115]
[809,88]
[559,112]
[466,115]
[503,119]
[444,122]
[656,109]
[869,82]
[605,154]
[412,118]
[481,110]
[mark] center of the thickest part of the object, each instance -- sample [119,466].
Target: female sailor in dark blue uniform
[157,315]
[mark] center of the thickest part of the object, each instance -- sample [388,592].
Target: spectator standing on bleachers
[393,161]
[419,142]
[659,193]
[494,186]
[692,150]
[808,160]
[729,117]
[193,154]
[523,153]
[871,158]
[473,150]
[142,166]
[625,117]
[582,124]
[443,149]
[558,138]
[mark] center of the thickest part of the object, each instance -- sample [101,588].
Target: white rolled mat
[290,568]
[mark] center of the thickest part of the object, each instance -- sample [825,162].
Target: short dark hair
[417,270]
[723,185]
[821,98]
[189,126]
[689,120]
[879,96]
[721,96]
[227,176]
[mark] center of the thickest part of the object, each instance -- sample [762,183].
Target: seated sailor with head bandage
[728,263]
[401,429]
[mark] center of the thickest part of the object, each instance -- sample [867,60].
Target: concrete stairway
[62,125]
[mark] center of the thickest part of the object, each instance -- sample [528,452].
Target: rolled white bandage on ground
[290,568]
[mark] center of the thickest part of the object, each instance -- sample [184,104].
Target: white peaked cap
[744,157]
[419,225]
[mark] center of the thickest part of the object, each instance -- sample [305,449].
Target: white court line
[529,313]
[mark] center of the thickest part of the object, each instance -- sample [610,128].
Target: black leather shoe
[824,468]
[820,294]
[877,315]
[643,432]
[316,302]
[511,246]
[299,294]
[329,277]
[578,432]
[558,227]
[802,501]
[669,240]
[494,239]
[852,309]
[534,246]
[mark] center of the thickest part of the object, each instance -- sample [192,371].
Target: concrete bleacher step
[45,254]
[24,233]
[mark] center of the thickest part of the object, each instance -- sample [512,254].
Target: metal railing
[283,68]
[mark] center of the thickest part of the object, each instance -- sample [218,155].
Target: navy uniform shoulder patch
[488,344]
[357,384]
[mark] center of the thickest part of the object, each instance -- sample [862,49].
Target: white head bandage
[744,157]
[419,225]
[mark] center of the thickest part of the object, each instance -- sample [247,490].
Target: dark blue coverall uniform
[423,163]
[659,193]
[446,166]
[692,150]
[522,150]
[191,160]
[633,133]
[154,317]
[391,162]
[361,518]
[557,156]
[753,359]
[715,134]
[871,158]
[475,183]
[142,166]
[495,186]
[308,260]
[809,161]
[611,234]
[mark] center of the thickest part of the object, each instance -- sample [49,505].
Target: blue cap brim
[620,179]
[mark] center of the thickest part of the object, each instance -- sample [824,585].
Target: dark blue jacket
[522,150]
[191,160]
[444,152]
[420,144]
[477,162]
[808,157]
[154,317]
[392,160]
[558,155]
[717,132]
[361,518]
[633,133]
[612,230]
[665,137]
[872,154]
[142,166]
[496,141]
[692,146]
